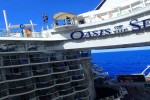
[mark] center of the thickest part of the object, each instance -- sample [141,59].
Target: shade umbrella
[63,15]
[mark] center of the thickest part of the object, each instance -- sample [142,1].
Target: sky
[22,11]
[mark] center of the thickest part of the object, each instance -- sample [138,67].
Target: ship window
[81,21]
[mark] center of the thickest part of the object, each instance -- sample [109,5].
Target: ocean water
[123,62]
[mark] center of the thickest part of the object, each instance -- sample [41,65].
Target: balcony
[84,54]
[42,71]
[74,67]
[45,84]
[38,59]
[82,94]
[79,82]
[29,96]
[49,96]
[1,78]
[68,57]
[22,89]
[78,77]
[61,75]
[20,75]
[8,62]
[76,72]
[3,93]
[63,80]
[70,97]
[81,87]
[64,86]
[66,92]
[60,69]
[53,58]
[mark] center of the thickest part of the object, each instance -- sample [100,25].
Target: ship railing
[77,77]
[74,67]
[42,71]
[19,34]
[21,89]
[45,84]
[49,96]
[3,93]
[27,60]
[12,76]
[60,69]
[12,47]
[116,11]
[1,77]
[81,94]
[66,24]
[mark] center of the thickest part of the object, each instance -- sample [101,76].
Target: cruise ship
[55,63]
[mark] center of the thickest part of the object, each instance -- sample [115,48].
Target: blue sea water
[123,62]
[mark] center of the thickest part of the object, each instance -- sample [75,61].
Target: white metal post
[144,2]
[5,18]
[32,25]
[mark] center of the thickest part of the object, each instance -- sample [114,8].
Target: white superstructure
[54,63]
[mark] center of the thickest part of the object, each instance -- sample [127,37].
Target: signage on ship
[134,25]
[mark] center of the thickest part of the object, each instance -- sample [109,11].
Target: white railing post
[144,2]
[32,25]
[6,22]
[119,10]
[131,7]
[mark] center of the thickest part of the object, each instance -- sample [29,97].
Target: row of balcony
[60,83]
[20,61]
[47,93]
[58,72]
[18,47]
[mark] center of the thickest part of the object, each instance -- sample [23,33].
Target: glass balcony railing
[61,75]
[39,59]
[22,89]
[45,84]
[49,96]
[1,78]
[66,92]
[63,80]
[60,69]
[77,77]
[81,87]
[42,71]
[27,96]
[70,97]
[79,82]
[67,57]
[3,93]
[74,67]
[76,72]
[82,94]
[17,75]
[8,62]
[64,86]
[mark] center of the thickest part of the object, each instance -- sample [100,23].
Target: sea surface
[122,62]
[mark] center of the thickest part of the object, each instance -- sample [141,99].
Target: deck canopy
[63,15]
